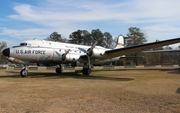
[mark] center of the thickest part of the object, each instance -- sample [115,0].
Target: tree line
[2,46]
[135,36]
[83,37]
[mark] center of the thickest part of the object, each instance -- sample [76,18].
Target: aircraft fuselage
[47,52]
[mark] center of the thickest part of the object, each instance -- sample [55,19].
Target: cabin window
[23,44]
[28,44]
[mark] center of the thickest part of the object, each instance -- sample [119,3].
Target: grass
[125,90]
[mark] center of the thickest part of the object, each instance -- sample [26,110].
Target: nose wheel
[24,73]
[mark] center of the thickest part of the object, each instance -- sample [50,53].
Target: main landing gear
[86,70]
[59,69]
[87,67]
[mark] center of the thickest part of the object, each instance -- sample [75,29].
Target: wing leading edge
[133,49]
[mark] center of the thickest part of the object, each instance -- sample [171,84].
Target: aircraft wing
[133,49]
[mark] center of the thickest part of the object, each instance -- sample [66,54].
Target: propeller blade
[60,56]
[64,55]
[83,50]
[90,50]
[93,46]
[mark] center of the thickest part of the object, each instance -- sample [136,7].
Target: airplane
[58,53]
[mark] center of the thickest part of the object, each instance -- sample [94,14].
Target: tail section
[120,42]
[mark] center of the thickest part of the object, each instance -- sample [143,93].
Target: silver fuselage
[45,52]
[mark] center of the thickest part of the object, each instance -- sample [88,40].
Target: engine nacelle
[71,58]
[14,60]
[96,53]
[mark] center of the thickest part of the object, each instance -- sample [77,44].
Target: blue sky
[22,20]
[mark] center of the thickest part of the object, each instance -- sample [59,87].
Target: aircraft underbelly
[94,61]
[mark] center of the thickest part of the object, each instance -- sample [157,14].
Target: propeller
[60,56]
[63,56]
[83,50]
[89,50]
[93,46]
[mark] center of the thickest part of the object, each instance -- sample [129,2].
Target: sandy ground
[118,91]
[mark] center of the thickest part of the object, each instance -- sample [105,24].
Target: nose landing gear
[24,73]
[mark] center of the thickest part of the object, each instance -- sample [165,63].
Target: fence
[6,67]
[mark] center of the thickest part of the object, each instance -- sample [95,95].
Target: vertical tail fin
[120,42]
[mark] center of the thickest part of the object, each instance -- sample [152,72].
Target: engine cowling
[14,60]
[71,58]
[96,53]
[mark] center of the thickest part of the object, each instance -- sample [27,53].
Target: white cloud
[159,18]
[70,11]
[25,34]
[162,32]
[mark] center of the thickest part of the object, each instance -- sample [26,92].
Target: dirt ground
[113,91]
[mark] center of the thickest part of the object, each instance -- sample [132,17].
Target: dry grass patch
[127,90]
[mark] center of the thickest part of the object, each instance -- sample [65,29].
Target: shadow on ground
[11,74]
[178,91]
[170,71]
[175,71]
[51,75]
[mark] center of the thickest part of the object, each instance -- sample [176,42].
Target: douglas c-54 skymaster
[57,53]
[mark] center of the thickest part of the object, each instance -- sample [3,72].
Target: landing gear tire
[86,71]
[24,73]
[58,70]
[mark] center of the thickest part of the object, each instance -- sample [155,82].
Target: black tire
[86,71]
[58,70]
[24,73]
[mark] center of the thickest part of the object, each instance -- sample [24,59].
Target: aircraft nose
[6,52]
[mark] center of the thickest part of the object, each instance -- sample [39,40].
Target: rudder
[120,42]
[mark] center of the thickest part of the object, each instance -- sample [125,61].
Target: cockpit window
[23,44]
